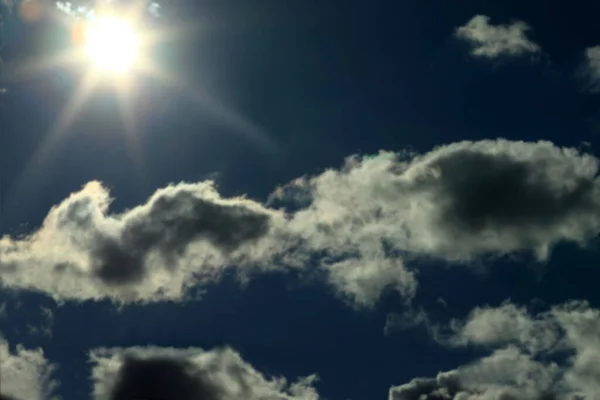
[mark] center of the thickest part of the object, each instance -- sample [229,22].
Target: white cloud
[362,224]
[184,234]
[495,40]
[188,374]
[490,326]
[25,374]
[505,374]
[592,68]
[457,202]
[552,354]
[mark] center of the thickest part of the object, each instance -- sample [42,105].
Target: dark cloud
[496,191]
[152,373]
[171,221]
[163,379]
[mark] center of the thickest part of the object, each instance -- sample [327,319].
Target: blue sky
[327,200]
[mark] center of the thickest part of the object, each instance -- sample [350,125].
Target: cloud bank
[492,41]
[361,224]
[187,374]
[25,374]
[549,355]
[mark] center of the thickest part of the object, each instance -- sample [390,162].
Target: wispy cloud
[192,373]
[491,41]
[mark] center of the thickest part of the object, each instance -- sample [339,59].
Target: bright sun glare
[111,44]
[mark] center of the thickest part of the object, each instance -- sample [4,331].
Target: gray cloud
[182,374]
[25,374]
[362,224]
[492,41]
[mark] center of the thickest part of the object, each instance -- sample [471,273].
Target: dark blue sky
[321,80]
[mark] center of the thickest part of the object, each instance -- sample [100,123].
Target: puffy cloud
[25,374]
[361,224]
[505,374]
[551,354]
[495,40]
[457,202]
[592,68]
[490,326]
[182,234]
[169,373]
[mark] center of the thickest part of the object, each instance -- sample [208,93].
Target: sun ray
[126,107]
[27,69]
[203,100]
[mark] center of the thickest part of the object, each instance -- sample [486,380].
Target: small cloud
[492,41]
[591,68]
[45,329]
[407,320]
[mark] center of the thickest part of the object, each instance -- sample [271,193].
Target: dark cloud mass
[187,374]
[164,379]
[167,225]
[495,191]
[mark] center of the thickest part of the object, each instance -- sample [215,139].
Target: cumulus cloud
[183,233]
[456,202]
[361,224]
[186,374]
[25,374]
[551,354]
[592,68]
[508,323]
[505,374]
[492,41]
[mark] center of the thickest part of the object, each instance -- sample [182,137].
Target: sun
[111,44]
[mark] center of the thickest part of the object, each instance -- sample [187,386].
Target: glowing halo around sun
[111,44]
[112,47]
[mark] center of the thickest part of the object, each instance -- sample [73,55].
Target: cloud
[361,225]
[86,9]
[45,328]
[183,234]
[25,374]
[169,373]
[492,41]
[457,202]
[506,324]
[551,354]
[592,68]
[505,374]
